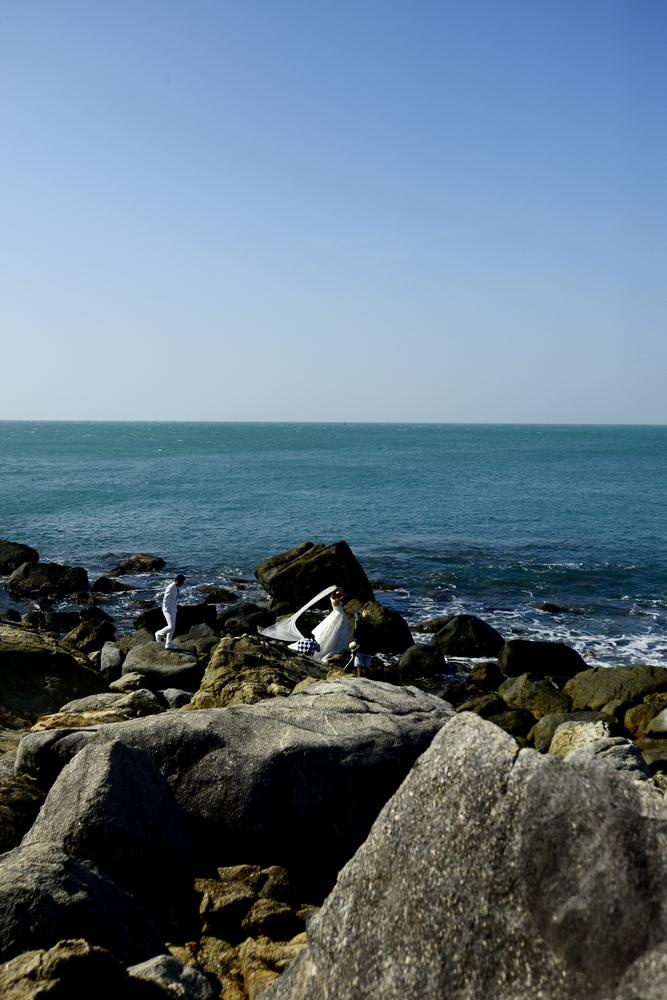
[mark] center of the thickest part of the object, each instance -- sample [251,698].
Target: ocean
[484,519]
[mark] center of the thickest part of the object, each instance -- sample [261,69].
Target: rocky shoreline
[235,819]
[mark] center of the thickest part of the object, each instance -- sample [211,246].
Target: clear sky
[343,210]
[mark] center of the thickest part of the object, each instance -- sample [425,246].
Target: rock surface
[492,873]
[37,676]
[163,668]
[522,656]
[52,580]
[299,574]
[306,775]
[466,635]
[142,562]
[46,896]
[14,554]
[594,688]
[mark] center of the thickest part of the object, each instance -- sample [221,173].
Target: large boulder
[534,693]
[299,574]
[524,656]
[419,660]
[300,778]
[492,873]
[46,896]
[186,616]
[90,635]
[111,805]
[52,621]
[14,554]
[594,688]
[163,668]
[105,585]
[37,676]
[466,635]
[20,802]
[33,579]
[246,670]
[391,631]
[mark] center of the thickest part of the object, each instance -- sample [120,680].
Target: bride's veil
[286,630]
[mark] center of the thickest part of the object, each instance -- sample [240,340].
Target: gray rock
[128,682]
[466,635]
[622,754]
[492,873]
[573,735]
[46,896]
[177,980]
[201,630]
[93,703]
[19,804]
[33,579]
[163,667]
[176,698]
[306,774]
[139,703]
[535,693]
[548,724]
[111,805]
[523,656]
[111,661]
[421,661]
[645,979]
[14,554]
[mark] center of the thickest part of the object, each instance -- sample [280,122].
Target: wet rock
[218,595]
[419,660]
[485,677]
[52,621]
[523,656]
[46,896]
[37,676]
[242,610]
[248,624]
[32,579]
[105,585]
[596,687]
[299,574]
[14,554]
[466,635]
[142,562]
[110,805]
[391,632]
[432,625]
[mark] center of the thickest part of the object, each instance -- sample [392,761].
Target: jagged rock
[175,978]
[74,969]
[105,585]
[142,562]
[622,754]
[218,958]
[248,624]
[218,595]
[523,656]
[263,960]
[127,682]
[638,720]
[14,554]
[432,625]
[249,669]
[137,703]
[297,773]
[595,687]
[273,919]
[19,804]
[573,735]
[46,896]
[242,610]
[419,660]
[90,635]
[52,621]
[535,693]
[110,805]
[492,873]
[32,579]
[391,632]
[163,668]
[485,677]
[466,635]
[37,676]
[299,574]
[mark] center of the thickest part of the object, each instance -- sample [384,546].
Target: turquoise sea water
[493,520]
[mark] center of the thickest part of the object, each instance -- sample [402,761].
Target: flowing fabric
[286,630]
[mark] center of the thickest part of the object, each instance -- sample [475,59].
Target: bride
[332,634]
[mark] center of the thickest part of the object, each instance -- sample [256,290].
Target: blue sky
[255,210]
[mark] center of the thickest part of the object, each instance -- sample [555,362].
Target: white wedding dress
[332,633]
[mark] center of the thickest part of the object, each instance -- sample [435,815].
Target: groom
[169,606]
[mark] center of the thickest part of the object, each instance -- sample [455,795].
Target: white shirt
[170,599]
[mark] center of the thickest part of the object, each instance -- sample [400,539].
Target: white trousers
[168,630]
